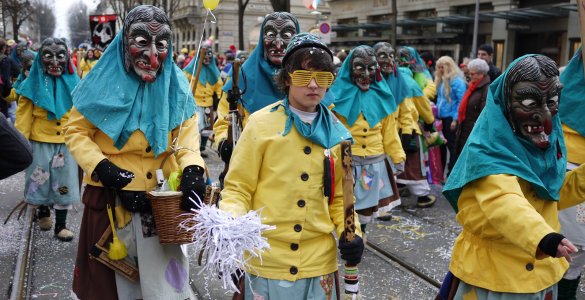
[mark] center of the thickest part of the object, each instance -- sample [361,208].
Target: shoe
[64,234]
[385,217]
[45,223]
[426,201]
[203,154]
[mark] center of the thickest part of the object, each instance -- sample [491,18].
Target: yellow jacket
[89,145]
[430,90]
[503,221]
[575,145]
[204,94]
[13,96]
[290,193]
[33,123]
[423,109]
[86,65]
[406,121]
[383,138]
[220,127]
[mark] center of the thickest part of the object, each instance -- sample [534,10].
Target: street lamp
[475,29]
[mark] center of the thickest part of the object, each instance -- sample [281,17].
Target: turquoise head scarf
[119,103]
[493,148]
[375,104]
[572,103]
[258,83]
[419,66]
[325,130]
[51,93]
[209,73]
[402,85]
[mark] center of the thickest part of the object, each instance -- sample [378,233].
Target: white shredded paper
[228,242]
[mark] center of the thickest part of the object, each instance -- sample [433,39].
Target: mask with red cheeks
[54,56]
[148,46]
[278,30]
[385,57]
[363,67]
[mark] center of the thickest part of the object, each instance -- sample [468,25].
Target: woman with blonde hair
[451,87]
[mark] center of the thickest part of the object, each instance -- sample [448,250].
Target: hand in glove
[429,127]
[192,186]
[556,245]
[111,176]
[225,151]
[352,251]
[409,143]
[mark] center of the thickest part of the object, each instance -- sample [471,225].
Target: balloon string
[175,146]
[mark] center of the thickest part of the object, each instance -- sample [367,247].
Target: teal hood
[119,103]
[493,148]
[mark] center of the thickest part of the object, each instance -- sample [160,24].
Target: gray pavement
[420,237]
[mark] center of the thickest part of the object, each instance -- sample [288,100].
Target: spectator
[486,52]
[472,103]
[450,89]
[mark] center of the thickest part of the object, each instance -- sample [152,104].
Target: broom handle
[112,222]
[581,9]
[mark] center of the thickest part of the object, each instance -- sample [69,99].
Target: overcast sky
[62,10]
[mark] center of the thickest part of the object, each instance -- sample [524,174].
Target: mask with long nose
[148,39]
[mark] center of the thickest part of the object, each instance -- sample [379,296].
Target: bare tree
[122,7]
[241,9]
[18,11]
[280,5]
[79,23]
[43,15]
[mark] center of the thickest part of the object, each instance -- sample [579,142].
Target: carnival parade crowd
[135,117]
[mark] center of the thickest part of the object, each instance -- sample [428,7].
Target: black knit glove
[225,151]
[429,127]
[111,176]
[193,187]
[550,243]
[409,143]
[352,251]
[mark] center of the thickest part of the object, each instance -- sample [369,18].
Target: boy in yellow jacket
[296,194]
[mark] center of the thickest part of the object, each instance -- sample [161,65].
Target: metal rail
[378,251]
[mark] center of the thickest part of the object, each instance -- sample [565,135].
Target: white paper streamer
[228,242]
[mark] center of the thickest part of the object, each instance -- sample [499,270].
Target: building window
[498,58]
[574,44]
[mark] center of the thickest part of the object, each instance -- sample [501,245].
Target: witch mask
[385,57]
[54,56]
[363,67]
[278,30]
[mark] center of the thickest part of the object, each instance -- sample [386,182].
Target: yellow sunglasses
[304,77]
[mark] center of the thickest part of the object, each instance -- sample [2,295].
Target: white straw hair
[228,242]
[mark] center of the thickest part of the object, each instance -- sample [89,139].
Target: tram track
[20,288]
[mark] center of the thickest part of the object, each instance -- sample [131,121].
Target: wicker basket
[168,215]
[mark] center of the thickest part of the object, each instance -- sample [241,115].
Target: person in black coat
[15,152]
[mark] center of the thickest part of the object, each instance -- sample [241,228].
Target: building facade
[188,21]
[445,27]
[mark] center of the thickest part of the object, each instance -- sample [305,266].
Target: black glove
[352,251]
[111,176]
[192,186]
[409,143]
[550,243]
[430,127]
[225,151]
